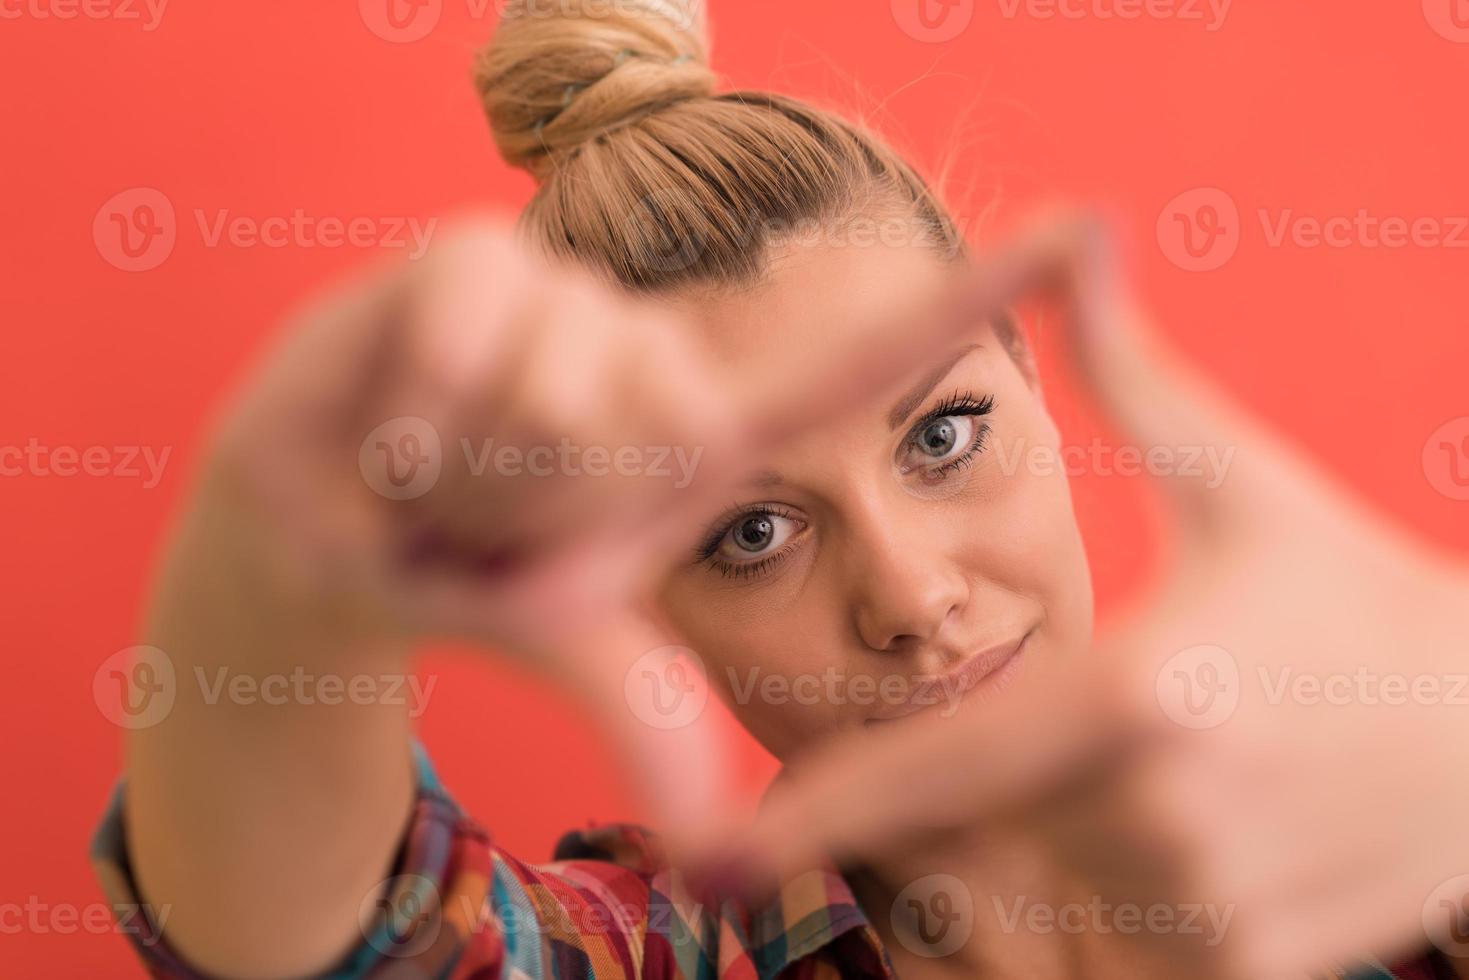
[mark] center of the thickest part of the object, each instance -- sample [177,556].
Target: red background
[1359,353]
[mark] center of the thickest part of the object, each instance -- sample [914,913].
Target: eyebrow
[765,478]
[909,403]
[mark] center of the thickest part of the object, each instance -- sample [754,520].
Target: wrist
[232,589]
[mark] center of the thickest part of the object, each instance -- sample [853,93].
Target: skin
[885,575]
[1269,809]
[285,558]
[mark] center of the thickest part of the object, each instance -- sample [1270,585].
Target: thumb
[1158,401]
[882,791]
[653,700]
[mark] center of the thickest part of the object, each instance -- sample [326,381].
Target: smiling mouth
[987,671]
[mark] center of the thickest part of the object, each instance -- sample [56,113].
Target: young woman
[769,290]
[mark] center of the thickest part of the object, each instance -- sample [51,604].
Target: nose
[904,586]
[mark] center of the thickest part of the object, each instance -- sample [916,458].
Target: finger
[889,346]
[655,702]
[840,802]
[1159,401]
[570,615]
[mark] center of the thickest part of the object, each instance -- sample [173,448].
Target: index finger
[867,793]
[1047,261]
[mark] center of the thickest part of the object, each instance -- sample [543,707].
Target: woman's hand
[359,497]
[479,446]
[415,461]
[1279,732]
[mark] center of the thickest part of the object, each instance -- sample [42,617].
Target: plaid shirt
[607,906]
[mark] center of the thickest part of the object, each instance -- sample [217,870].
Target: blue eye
[940,436]
[947,438]
[751,541]
[754,535]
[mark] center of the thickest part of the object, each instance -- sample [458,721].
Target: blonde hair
[648,175]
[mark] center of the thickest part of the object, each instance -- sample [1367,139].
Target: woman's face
[899,558]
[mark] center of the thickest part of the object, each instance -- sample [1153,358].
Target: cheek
[1027,540]
[765,651]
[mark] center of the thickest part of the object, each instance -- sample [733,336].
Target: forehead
[812,297]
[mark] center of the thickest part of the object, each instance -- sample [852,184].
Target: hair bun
[560,73]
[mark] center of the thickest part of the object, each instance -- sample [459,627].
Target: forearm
[262,821]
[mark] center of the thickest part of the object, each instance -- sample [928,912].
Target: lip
[989,668]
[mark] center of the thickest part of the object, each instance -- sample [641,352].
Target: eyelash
[963,404]
[708,550]
[959,404]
